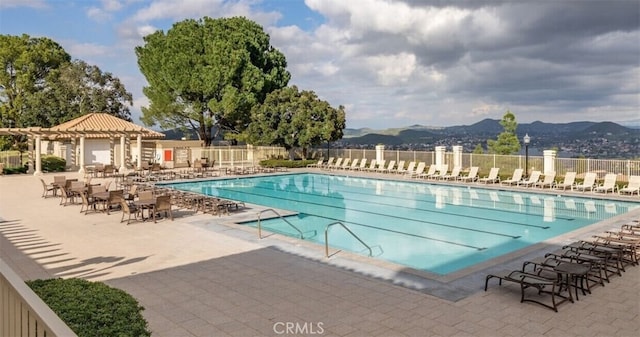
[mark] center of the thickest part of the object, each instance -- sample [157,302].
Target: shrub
[53,164]
[286,163]
[15,170]
[92,308]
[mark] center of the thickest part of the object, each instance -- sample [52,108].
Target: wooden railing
[23,313]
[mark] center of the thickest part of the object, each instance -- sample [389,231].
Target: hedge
[92,308]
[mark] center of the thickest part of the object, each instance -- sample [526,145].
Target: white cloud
[392,69]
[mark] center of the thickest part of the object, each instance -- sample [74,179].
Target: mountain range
[542,133]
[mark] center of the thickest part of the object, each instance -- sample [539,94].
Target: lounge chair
[633,187]
[371,167]
[410,168]
[328,163]
[588,183]
[336,164]
[608,185]
[418,171]
[430,172]
[515,178]
[354,164]
[492,177]
[543,285]
[48,189]
[379,166]
[318,164]
[549,180]
[442,171]
[568,182]
[454,175]
[345,164]
[362,166]
[532,180]
[471,176]
[389,167]
[399,168]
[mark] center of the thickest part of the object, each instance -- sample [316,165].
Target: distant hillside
[490,128]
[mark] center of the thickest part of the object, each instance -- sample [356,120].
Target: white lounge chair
[515,178]
[442,171]
[430,172]
[379,166]
[345,164]
[492,177]
[328,163]
[362,166]
[336,165]
[472,176]
[318,164]
[608,185]
[454,175]
[532,180]
[549,180]
[399,167]
[418,171]
[588,183]
[353,166]
[633,187]
[409,169]
[568,182]
[389,167]
[372,166]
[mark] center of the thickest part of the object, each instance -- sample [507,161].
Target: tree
[207,73]
[292,119]
[507,142]
[26,63]
[478,149]
[77,88]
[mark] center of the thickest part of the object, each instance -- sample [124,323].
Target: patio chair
[492,177]
[318,164]
[163,204]
[378,166]
[543,285]
[328,163]
[115,197]
[371,167]
[88,204]
[345,164]
[568,182]
[48,189]
[549,180]
[335,165]
[588,183]
[608,185]
[516,177]
[129,209]
[471,176]
[67,196]
[442,171]
[633,187]
[533,179]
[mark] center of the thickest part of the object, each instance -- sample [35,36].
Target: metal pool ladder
[281,217]
[326,237]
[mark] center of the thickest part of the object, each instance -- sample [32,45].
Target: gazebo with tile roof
[89,126]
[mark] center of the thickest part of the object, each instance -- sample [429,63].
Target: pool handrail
[281,217]
[326,237]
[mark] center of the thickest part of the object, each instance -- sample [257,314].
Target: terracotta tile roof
[93,125]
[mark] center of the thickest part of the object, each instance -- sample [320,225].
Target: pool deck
[201,275]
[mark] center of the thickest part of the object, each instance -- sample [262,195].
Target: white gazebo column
[440,150]
[379,153]
[112,147]
[457,155]
[549,161]
[123,168]
[30,152]
[139,151]
[38,171]
[81,163]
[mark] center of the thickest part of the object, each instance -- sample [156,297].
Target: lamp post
[526,139]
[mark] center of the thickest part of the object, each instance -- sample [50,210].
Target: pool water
[430,227]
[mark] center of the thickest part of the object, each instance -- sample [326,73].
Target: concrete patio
[202,275]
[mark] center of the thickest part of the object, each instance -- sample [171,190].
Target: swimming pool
[430,227]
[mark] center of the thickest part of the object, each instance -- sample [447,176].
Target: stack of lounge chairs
[575,267]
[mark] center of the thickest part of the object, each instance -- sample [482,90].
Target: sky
[393,63]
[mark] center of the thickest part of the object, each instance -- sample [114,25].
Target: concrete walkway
[200,275]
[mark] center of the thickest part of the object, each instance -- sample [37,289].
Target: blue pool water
[430,227]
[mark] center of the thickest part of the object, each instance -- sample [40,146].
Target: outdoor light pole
[526,139]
